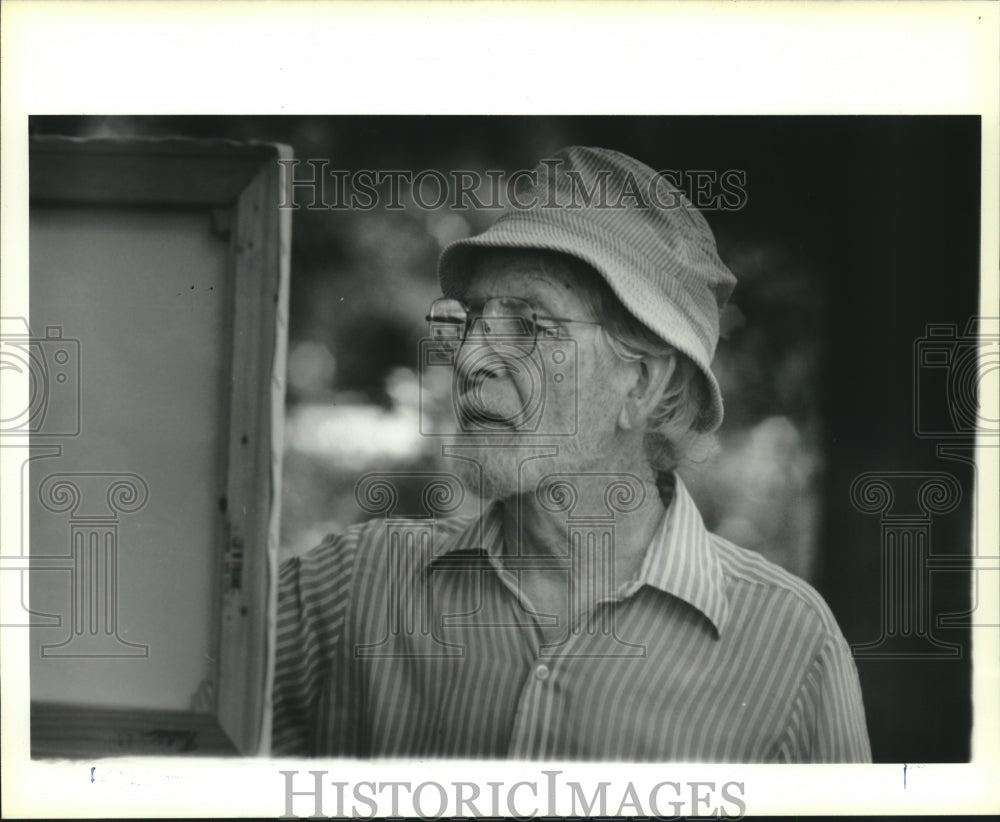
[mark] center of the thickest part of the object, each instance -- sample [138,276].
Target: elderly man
[586,612]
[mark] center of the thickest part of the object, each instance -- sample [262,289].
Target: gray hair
[675,430]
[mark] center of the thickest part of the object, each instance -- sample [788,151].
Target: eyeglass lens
[503,321]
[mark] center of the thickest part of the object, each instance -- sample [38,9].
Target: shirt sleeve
[827,721]
[313,592]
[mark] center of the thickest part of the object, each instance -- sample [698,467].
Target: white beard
[506,469]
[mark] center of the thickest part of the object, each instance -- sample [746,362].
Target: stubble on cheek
[577,433]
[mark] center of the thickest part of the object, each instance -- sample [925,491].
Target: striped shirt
[410,638]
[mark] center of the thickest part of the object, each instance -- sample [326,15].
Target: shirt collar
[680,559]
[482,534]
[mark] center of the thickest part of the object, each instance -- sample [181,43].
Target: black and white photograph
[355,444]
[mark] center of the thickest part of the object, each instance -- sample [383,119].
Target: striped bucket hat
[636,229]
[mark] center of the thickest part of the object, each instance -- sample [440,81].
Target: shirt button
[542,672]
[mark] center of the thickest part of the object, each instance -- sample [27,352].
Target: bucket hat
[636,229]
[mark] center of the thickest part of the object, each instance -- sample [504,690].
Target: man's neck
[539,524]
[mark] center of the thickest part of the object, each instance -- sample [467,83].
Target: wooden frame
[240,184]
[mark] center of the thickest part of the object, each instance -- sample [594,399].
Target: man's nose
[480,358]
[474,344]
[474,356]
[476,331]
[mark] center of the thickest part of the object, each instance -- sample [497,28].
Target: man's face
[562,399]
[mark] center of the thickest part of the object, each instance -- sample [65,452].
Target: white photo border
[81,57]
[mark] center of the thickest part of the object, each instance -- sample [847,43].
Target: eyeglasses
[506,323]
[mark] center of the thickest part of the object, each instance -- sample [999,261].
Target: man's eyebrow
[536,296]
[544,309]
[536,301]
[539,293]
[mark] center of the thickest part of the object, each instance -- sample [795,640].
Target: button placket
[535,709]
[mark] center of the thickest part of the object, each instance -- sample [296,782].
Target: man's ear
[652,376]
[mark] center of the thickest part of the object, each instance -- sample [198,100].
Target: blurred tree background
[853,236]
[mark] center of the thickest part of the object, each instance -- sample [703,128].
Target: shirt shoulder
[337,554]
[751,577]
